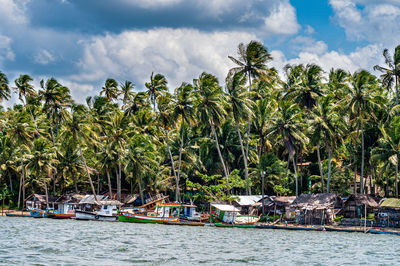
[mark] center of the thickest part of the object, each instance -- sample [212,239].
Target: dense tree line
[312,131]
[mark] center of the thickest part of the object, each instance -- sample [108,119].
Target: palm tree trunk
[10,180]
[362,158]
[170,153]
[397,89]
[98,184]
[109,183]
[248,131]
[219,154]
[320,170]
[246,171]
[395,180]
[47,194]
[295,175]
[87,172]
[179,162]
[301,170]
[119,180]
[19,191]
[329,168]
[355,176]
[141,192]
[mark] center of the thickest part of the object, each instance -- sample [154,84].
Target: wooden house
[38,201]
[274,205]
[316,209]
[355,205]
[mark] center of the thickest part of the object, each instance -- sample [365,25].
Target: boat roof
[110,202]
[89,199]
[247,200]
[225,207]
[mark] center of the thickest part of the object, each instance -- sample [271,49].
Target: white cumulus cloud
[282,20]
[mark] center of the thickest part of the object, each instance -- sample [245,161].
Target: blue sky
[84,42]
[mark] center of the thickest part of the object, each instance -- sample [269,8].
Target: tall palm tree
[110,90]
[156,86]
[286,124]
[240,107]
[210,108]
[4,89]
[388,150]
[184,109]
[391,74]
[361,102]
[78,130]
[252,61]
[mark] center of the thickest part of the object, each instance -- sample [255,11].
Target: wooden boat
[185,223]
[168,212]
[38,213]
[18,214]
[104,210]
[223,214]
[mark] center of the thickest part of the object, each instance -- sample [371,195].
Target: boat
[165,212]
[224,214]
[100,210]
[18,214]
[39,213]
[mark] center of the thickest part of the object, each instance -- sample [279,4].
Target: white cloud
[308,44]
[152,4]
[12,12]
[6,53]
[44,57]
[179,54]
[282,20]
[375,21]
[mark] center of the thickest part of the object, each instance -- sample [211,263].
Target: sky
[81,43]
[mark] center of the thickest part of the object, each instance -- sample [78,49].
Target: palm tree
[110,90]
[210,108]
[41,160]
[184,109]
[326,126]
[304,84]
[240,107]
[361,102]
[391,74]
[156,86]
[126,91]
[78,130]
[286,124]
[252,61]
[388,150]
[4,89]
[24,90]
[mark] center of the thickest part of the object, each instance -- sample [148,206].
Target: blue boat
[37,213]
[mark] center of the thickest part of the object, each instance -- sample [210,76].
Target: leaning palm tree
[183,109]
[78,130]
[156,86]
[252,61]
[240,107]
[361,102]
[210,108]
[391,73]
[4,89]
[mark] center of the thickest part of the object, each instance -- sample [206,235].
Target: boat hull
[62,215]
[138,218]
[82,215]
[36,213]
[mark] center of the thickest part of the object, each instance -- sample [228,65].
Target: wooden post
[365,218]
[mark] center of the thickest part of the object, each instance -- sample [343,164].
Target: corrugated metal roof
[89,199]
[247,200]
[391,203]
[110,202]
[225,207]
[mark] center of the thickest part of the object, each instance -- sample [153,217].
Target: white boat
[101,210]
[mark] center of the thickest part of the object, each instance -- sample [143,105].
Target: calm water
[50,242]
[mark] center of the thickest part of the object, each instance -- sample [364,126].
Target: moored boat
[224,214]
[100,210]
[168,212]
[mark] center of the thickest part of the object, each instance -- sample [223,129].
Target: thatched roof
[42,198]
[367,200]
[317,201]
[280,201]
[89,199]
[70,198]
[391,203]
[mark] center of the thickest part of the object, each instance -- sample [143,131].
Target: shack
[316,208]
[244,203]
[355,205]
[67,203]
[389,213]
[38,201]
[274,205]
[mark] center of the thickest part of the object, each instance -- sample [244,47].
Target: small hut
[389,213]
[274,205]
[355,205]
[38,201]
[244,203]
[316,208]
[67,203]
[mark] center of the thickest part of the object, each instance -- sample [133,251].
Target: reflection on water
[49,242]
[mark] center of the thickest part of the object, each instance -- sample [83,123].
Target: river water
[67,242]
